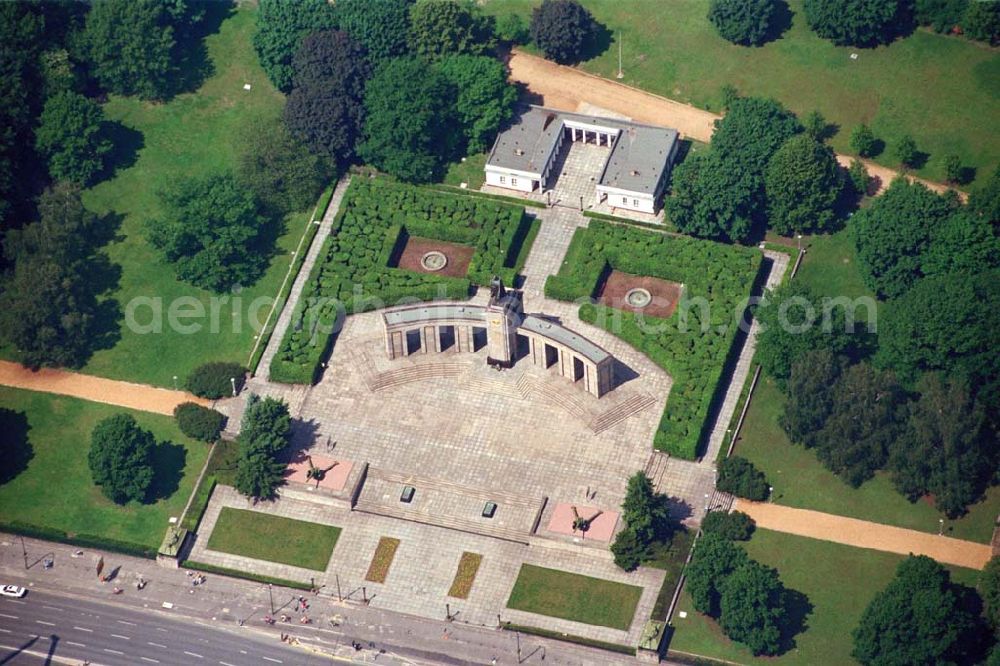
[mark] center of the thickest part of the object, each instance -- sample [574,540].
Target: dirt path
[570,89]
[109,391]
[863,534]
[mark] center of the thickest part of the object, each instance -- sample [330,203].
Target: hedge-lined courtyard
[46,481]
[273,538]
[574,597]
[693,344]
[353,273]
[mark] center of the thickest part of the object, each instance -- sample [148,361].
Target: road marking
[152,661]
[113,651]
[12,617]
[4,631]
[226,663]
[89,631]
[47,624]
[277,661]
[155,644]
[161,629]
[75,644]
[131,624]
[52,608]
[193,654]
[125,638]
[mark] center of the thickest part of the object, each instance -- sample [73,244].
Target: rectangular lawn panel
[575,597]
[465,576]
[839,582]
[55,489]
[693,344]
[353,272]
[274,538]
[385,552]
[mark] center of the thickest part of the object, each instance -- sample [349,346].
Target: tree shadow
[17,449]
[877,148]
[797,609]
[193,62]
[966,175]
[597,42]
[919,160]
[679,509]
[126,143]
[781,20]
[168,466]
[828,131]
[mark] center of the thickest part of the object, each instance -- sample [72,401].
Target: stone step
[416,373]
[438,520]
[631,406]
[499,496]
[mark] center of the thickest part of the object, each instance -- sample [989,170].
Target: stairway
[620,412]
[414,373]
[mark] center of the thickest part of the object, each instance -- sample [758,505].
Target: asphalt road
[50,628]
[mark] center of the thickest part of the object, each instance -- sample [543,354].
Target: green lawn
[193,134]
[941,90]
[469,172]
[839,582]
[830,266]
[55,490]
[574,597]
[273,538]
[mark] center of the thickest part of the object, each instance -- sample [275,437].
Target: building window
[503,180]
[624,201]
[513,182]
[635,202]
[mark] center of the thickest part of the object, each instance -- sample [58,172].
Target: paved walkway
[571,89]
[264,367]
[98,389]
[864,534]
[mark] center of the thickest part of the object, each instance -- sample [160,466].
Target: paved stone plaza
[463,433]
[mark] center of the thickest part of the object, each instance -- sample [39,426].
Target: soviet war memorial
[434,331]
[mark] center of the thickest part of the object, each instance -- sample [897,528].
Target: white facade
[617,198]
[522,181]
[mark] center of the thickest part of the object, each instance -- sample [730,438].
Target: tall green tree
[753,130]
[212,232]
[410,115]
[326,108]
[647,516]
[917,619]
[71,138]
[278,169]
[281,27]
[48,306]
[857,22]
[863,140]
[893,233]
[381,26]
[984,201]
[442,27]
[745,22]
[738,476]
[712,200]
[752,607]
[948,451]
[121,458]
[982,21]
[714,559]
[130,46]
[485,98]
[906,151]
[810,402]
[264,432]
[803,182]
[561,29]
[989,590]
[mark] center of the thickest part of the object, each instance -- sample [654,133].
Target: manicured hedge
[214,380]
[693,354]
[569,638]
[352,274]
[236,573]
[82,540]
[199,422]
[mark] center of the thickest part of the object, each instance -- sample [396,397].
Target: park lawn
[469,172]
[830,267]
[56,491]
[800,479]
[193,134]
[839,581]
[273,538]
[941,90]
[571,596]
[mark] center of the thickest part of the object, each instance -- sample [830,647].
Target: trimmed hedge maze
[694,343]
[353,272]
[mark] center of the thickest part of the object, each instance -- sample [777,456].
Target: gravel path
[570,89]
[864,534]
[109,391]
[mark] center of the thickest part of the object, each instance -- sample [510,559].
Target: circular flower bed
[434,261]
[638,297]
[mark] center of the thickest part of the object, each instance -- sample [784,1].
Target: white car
[12,591]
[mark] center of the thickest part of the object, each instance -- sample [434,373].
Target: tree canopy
[751,607]
[70,137]
[711,200]
[130,45]
[857,22]
[278,169]
[989,590]
[984,201]
[753,130]
[265,431]
[485,98]
[738,476]
[917,619]
[561,29]
[803,182]
[381,26]
[713,560]
[212,232]
[810,402]
[745,22]
[443,27]
[408,129]
[121,458]
[647,518]
[281,27]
